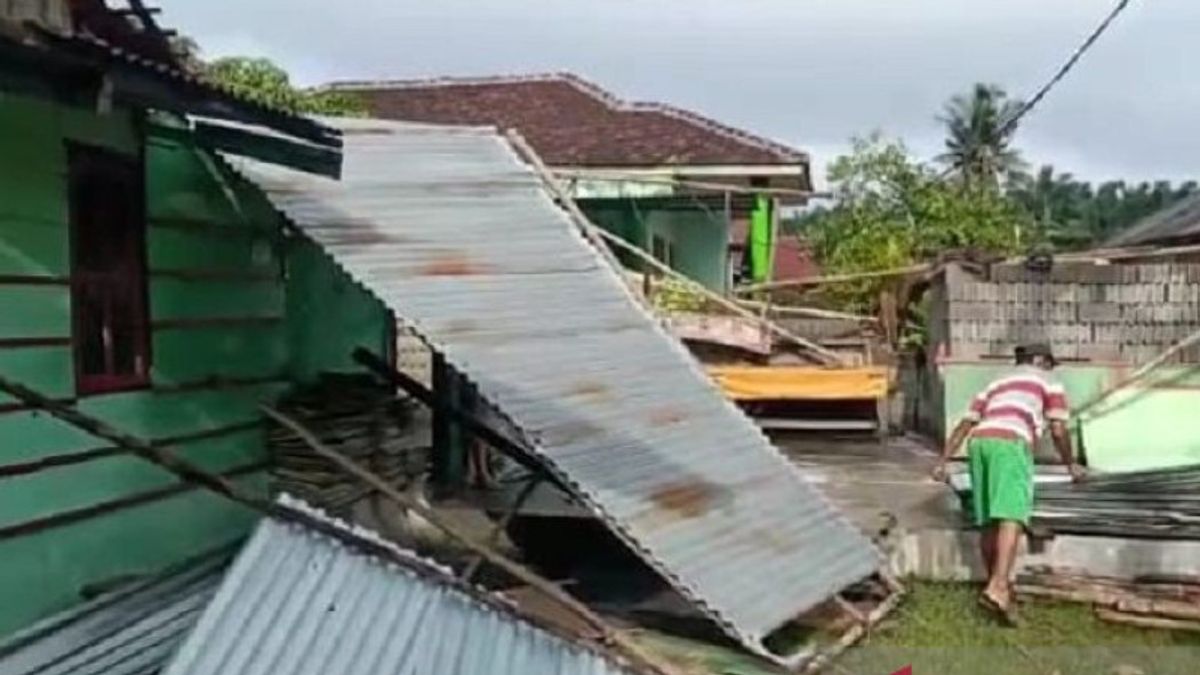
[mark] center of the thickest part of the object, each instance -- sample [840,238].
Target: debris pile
[1149,602]
[1158,504]
[361,419]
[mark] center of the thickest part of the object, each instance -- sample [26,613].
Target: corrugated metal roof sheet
[450,230]
[296,601]
[133,631]
[1178,223]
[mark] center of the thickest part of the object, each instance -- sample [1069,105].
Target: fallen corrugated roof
[296,601]
[132,631]
[459,238]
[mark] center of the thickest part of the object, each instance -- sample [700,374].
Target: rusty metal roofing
[459,238]
[132,631]
[296,601]
[1174,224]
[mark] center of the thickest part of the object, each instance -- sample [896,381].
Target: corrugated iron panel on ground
[132,631]
[296,601]
[458,237]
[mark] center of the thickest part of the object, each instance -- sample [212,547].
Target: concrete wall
[1152,424]
[700,237]
[74,512]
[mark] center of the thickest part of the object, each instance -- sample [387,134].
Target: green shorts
[1001,480]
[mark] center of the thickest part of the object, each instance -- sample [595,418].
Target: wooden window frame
[82,160]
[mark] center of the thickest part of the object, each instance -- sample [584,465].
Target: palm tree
[979,133]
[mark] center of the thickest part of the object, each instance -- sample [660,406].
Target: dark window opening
[108,271]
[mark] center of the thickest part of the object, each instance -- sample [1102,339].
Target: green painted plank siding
[43,572]
[219,249]
[35,311]
[49,370]
[195,299]
[329,315]
[26,436]
[43,484]
[30,247]
[65,488]
[219,351]
[216,254]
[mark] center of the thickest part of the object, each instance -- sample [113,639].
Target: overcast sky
[811,73]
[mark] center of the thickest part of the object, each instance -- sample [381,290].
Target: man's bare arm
[957,438]
[1061,435]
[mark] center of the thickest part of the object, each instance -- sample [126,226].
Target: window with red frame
[108,270]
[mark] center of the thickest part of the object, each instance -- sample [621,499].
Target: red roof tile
[572,122]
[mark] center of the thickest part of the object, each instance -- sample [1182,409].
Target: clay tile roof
[572,122]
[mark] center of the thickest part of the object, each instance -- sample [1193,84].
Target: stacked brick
[1110,313]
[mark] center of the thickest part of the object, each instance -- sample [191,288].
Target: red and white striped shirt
[1017,406]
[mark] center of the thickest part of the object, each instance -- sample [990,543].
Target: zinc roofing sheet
[296,601]
[460,238]
[132,631]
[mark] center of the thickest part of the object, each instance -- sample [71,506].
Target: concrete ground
[869,479]
[885,488]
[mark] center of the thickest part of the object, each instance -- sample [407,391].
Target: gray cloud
[808,72]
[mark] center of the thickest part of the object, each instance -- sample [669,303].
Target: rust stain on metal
[356,235]
[689,499]
[666,416]
[460,326]
[591,390]
[453,265]
[573,432]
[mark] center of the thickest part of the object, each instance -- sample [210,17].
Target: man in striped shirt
[1004,423]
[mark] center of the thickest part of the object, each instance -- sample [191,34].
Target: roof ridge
[593,90]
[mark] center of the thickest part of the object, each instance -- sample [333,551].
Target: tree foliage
[979,135]
[891,211]
[1071,213]
[263,81]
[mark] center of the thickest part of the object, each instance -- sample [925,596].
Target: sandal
[1007,615]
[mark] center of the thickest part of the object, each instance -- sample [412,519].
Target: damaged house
[649,173]
[143,286]
[173,258]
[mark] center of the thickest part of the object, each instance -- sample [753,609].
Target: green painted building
[691,239]
[673,182]
[145,284]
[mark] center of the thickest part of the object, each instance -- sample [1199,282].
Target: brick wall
[1087,311]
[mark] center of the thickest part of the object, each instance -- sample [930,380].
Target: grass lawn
[940,630]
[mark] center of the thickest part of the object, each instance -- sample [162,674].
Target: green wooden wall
[700,236]
[226,335]
[329,315]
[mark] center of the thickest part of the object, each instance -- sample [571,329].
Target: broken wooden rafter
[514,450]
[607,634]
[163,457]
[1143,621]
[834,279]
[812,312]
[824,355]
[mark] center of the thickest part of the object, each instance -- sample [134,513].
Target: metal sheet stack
[363,420]
[1161,504]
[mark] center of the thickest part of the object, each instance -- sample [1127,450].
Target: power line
[1010,124]
[1066,68]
